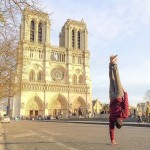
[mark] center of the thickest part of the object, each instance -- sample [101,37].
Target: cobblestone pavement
[38,135]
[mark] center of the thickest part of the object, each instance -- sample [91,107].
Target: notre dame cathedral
[52,79]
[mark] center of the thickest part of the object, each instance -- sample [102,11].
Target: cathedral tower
[35,27]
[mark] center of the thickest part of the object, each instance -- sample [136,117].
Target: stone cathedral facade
[52,79]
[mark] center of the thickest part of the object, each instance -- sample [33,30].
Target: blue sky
[114,27]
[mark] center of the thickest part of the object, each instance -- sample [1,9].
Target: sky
[114,27]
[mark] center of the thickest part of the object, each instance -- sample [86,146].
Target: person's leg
[118,85]
[116,89]
[112,90]
[140,118]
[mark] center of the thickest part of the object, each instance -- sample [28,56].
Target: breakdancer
[119,107]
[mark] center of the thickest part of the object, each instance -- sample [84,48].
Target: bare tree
[147,95]
[10,16]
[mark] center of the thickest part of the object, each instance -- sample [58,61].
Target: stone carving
[25,70]
[78,71]
[35,66]
[33,106]
[47,73]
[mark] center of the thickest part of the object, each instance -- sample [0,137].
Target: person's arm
[111,130]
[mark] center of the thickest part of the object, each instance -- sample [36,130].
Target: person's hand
[113,143]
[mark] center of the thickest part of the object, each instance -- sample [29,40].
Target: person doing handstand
[119,107]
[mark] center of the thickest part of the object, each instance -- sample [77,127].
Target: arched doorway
[77,104]
[58,106]
[34,107]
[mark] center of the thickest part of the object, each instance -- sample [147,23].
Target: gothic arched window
[32,75]
[41,54]
[63,57]
[72,38]
[40,32]
[39,76]
[32,28]
[31,53]
[80,79]
[78,40]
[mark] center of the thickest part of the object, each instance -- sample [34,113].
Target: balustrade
[63,87]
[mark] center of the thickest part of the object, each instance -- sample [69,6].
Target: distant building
[52,79]
[143,105]
[97,106]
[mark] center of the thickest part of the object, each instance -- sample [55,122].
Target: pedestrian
[118,108]
[148,111]
[139,113]
[80,112]
[86,113]
[134,113]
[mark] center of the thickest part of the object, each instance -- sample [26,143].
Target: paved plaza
[39,135]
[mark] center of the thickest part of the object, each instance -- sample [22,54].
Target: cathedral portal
[34,107]
[58,105]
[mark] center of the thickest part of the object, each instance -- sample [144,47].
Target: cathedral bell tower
[74,38]
[35,27]
[32,47]
[74,35]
